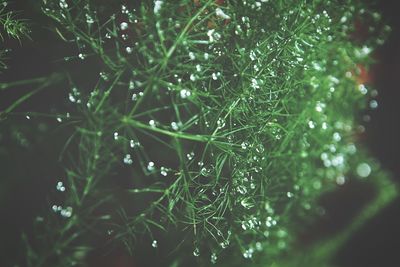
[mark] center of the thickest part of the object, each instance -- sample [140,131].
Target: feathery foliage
[217,124]
[12,26]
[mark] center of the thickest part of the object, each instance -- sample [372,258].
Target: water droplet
[74,95]
[128,159]
[268,222]
[244,145]
[184,93]
[63,4]
[253,55]
[131,85]
[157,6]
[332,148]
[163,171]
[224,244]
[254,84]
[196,252]
[89,19]
[337,137]
[260,149]
[104,76]
[374,93]
[338,160]
[373,104]
[124,10]
[340,180]
[152,123]
[319,107]
[134,143]
[317,185]
[150,166]
[206,171]
[67,212]
[190,155]
[174,126]
[220,123]
[324,156]
[363,170]
[351,148]
[248,254]
[221,14]
[81,56]
[210,35]
[129,50]
[60,187]
[363,89]
[214,258]
[123,26]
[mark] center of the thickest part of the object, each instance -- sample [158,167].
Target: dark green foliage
[211,134]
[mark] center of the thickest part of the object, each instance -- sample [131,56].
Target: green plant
[12,26]
[226,123]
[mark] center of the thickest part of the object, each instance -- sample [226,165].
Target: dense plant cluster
[213,126]
[12,26]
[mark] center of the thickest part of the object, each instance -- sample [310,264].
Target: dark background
[376,244]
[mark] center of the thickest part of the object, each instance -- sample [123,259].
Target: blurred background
[21,199]
[378,242]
